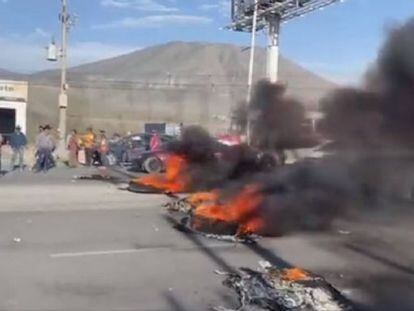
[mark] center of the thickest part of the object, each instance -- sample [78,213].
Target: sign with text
[13,90]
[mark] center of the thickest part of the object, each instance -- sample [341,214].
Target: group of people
[45,145]
[87,149]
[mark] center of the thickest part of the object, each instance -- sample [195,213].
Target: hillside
[194,63]
[9,75]
[176,82]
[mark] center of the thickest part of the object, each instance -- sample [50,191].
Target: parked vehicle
[154,162]
[131,147]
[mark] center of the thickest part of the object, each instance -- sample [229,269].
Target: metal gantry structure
[254,15]
[271,14]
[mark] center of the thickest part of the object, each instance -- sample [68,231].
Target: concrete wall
[123,109]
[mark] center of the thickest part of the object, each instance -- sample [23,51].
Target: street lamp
[55,54]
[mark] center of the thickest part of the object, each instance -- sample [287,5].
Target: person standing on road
[89,140]
[1,147]
[18,142]
[45,145]
[180,130]
[155,142]
[72,145]
[103,148]
[36,154]
[116,147]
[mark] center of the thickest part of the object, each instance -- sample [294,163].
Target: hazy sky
[338,42]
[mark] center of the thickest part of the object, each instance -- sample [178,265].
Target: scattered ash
[178,204]
[97,177]
[283,289]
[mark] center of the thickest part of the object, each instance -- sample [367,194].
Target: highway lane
[86,245]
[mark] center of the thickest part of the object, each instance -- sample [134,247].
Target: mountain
[9,75]
[190,63]
[176,82]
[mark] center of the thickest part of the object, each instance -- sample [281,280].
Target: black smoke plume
[278,121]
[366,123]
[381,114]
[211,164]
[372,127]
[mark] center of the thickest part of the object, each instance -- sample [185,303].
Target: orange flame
[199,198]
[174,179]
[295,274]
[241,209]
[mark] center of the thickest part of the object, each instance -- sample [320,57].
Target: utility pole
[66,22]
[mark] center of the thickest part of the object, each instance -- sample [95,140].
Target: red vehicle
[229,139]
[154,161]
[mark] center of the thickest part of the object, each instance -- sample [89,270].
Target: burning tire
[152,165]
[213,226]
[137,188]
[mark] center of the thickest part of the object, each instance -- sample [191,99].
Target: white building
[13,105]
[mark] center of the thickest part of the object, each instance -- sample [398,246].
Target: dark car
[154,161]
[130,148]
[229,148]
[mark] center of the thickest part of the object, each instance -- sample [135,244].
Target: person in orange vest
[103,148]
[89,140]
[155,142]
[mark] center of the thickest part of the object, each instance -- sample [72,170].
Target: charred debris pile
[271,288]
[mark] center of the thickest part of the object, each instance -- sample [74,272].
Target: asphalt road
[86,245]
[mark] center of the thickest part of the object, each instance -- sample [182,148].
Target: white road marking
[102,253]
[132,251]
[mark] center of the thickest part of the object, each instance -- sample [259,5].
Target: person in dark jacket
[1,145]
[18,142]
[45,145]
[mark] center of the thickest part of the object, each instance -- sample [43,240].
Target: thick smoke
[353,118]
[396,70]
[381,114]
[304,196]
[396,63]
[277,120]
[373,126]
[366,124]
[196,145]
[211,164]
